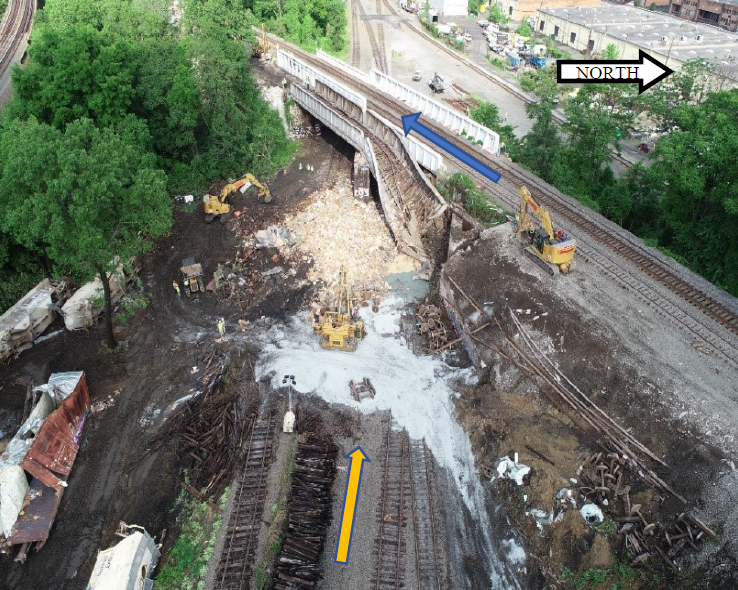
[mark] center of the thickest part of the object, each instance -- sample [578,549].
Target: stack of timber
[297,565]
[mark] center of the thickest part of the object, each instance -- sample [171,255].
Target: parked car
[483,23]
[467,37]
[417,76]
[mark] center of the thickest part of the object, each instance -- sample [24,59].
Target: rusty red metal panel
[57,442]
[35,523]
[49,461]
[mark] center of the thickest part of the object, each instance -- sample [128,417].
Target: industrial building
[450,7]
[520,10]
[669,39]
[719,14]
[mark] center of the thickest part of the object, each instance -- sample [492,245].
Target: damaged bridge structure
[413,209]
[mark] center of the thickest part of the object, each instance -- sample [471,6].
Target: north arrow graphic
[350,500]
[410,123]
[646,71]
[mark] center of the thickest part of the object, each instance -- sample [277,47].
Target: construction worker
[175,284]
[221,327]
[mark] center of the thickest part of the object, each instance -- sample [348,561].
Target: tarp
[84,307]
[13,490]
[127,565]
[26,320]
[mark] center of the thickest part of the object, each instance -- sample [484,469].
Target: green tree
[80,72]
[472,7]
[696,185]
[611,52]
[496,15]
[488,115]
[543,143]
[596,119]
[690,85]
[82,197]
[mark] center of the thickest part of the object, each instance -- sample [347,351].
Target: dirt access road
[112,479]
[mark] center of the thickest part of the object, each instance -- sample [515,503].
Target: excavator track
[551,269]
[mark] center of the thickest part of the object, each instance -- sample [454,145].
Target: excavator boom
[217,205]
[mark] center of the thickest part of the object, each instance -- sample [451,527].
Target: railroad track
[390,545]
[355,50]
[242,536]
[15,24]
[623,253]
[379,59]
[427,570]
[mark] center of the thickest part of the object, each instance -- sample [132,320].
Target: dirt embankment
[511,412]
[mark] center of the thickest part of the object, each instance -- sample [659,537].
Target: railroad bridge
[413,208]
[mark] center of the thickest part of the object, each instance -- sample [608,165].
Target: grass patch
[460,188]
[607,527]
[187,563]
[619,576]
[497,62]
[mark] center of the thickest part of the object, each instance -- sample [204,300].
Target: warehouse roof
[658,32]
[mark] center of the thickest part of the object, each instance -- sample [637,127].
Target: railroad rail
[390,545]
[355,48]
[242,535]
[14,25]
[427,570]
[615,252]
[377,52]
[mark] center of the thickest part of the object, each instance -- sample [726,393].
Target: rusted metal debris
[605,478]
[362,390]
[432,328]
[48,459]
[298,564]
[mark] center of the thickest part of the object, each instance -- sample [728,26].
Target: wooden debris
[362,390]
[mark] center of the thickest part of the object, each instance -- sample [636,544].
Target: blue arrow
[410,123]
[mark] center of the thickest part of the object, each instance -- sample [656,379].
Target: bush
[524,30]
[472,7]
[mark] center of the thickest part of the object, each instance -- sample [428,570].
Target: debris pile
[209,427]
[432,328]
[333,230]
[298,564]
[604,479]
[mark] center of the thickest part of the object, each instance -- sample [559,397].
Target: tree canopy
[118,108]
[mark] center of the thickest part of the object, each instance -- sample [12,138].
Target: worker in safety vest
[175,284]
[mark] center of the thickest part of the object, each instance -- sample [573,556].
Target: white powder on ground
[416,389]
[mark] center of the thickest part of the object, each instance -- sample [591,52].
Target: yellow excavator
[552,250]
[337,328]
[218,206]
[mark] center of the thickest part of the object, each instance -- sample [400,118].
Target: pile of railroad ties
[298,564]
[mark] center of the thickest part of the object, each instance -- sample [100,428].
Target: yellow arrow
[350,500]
